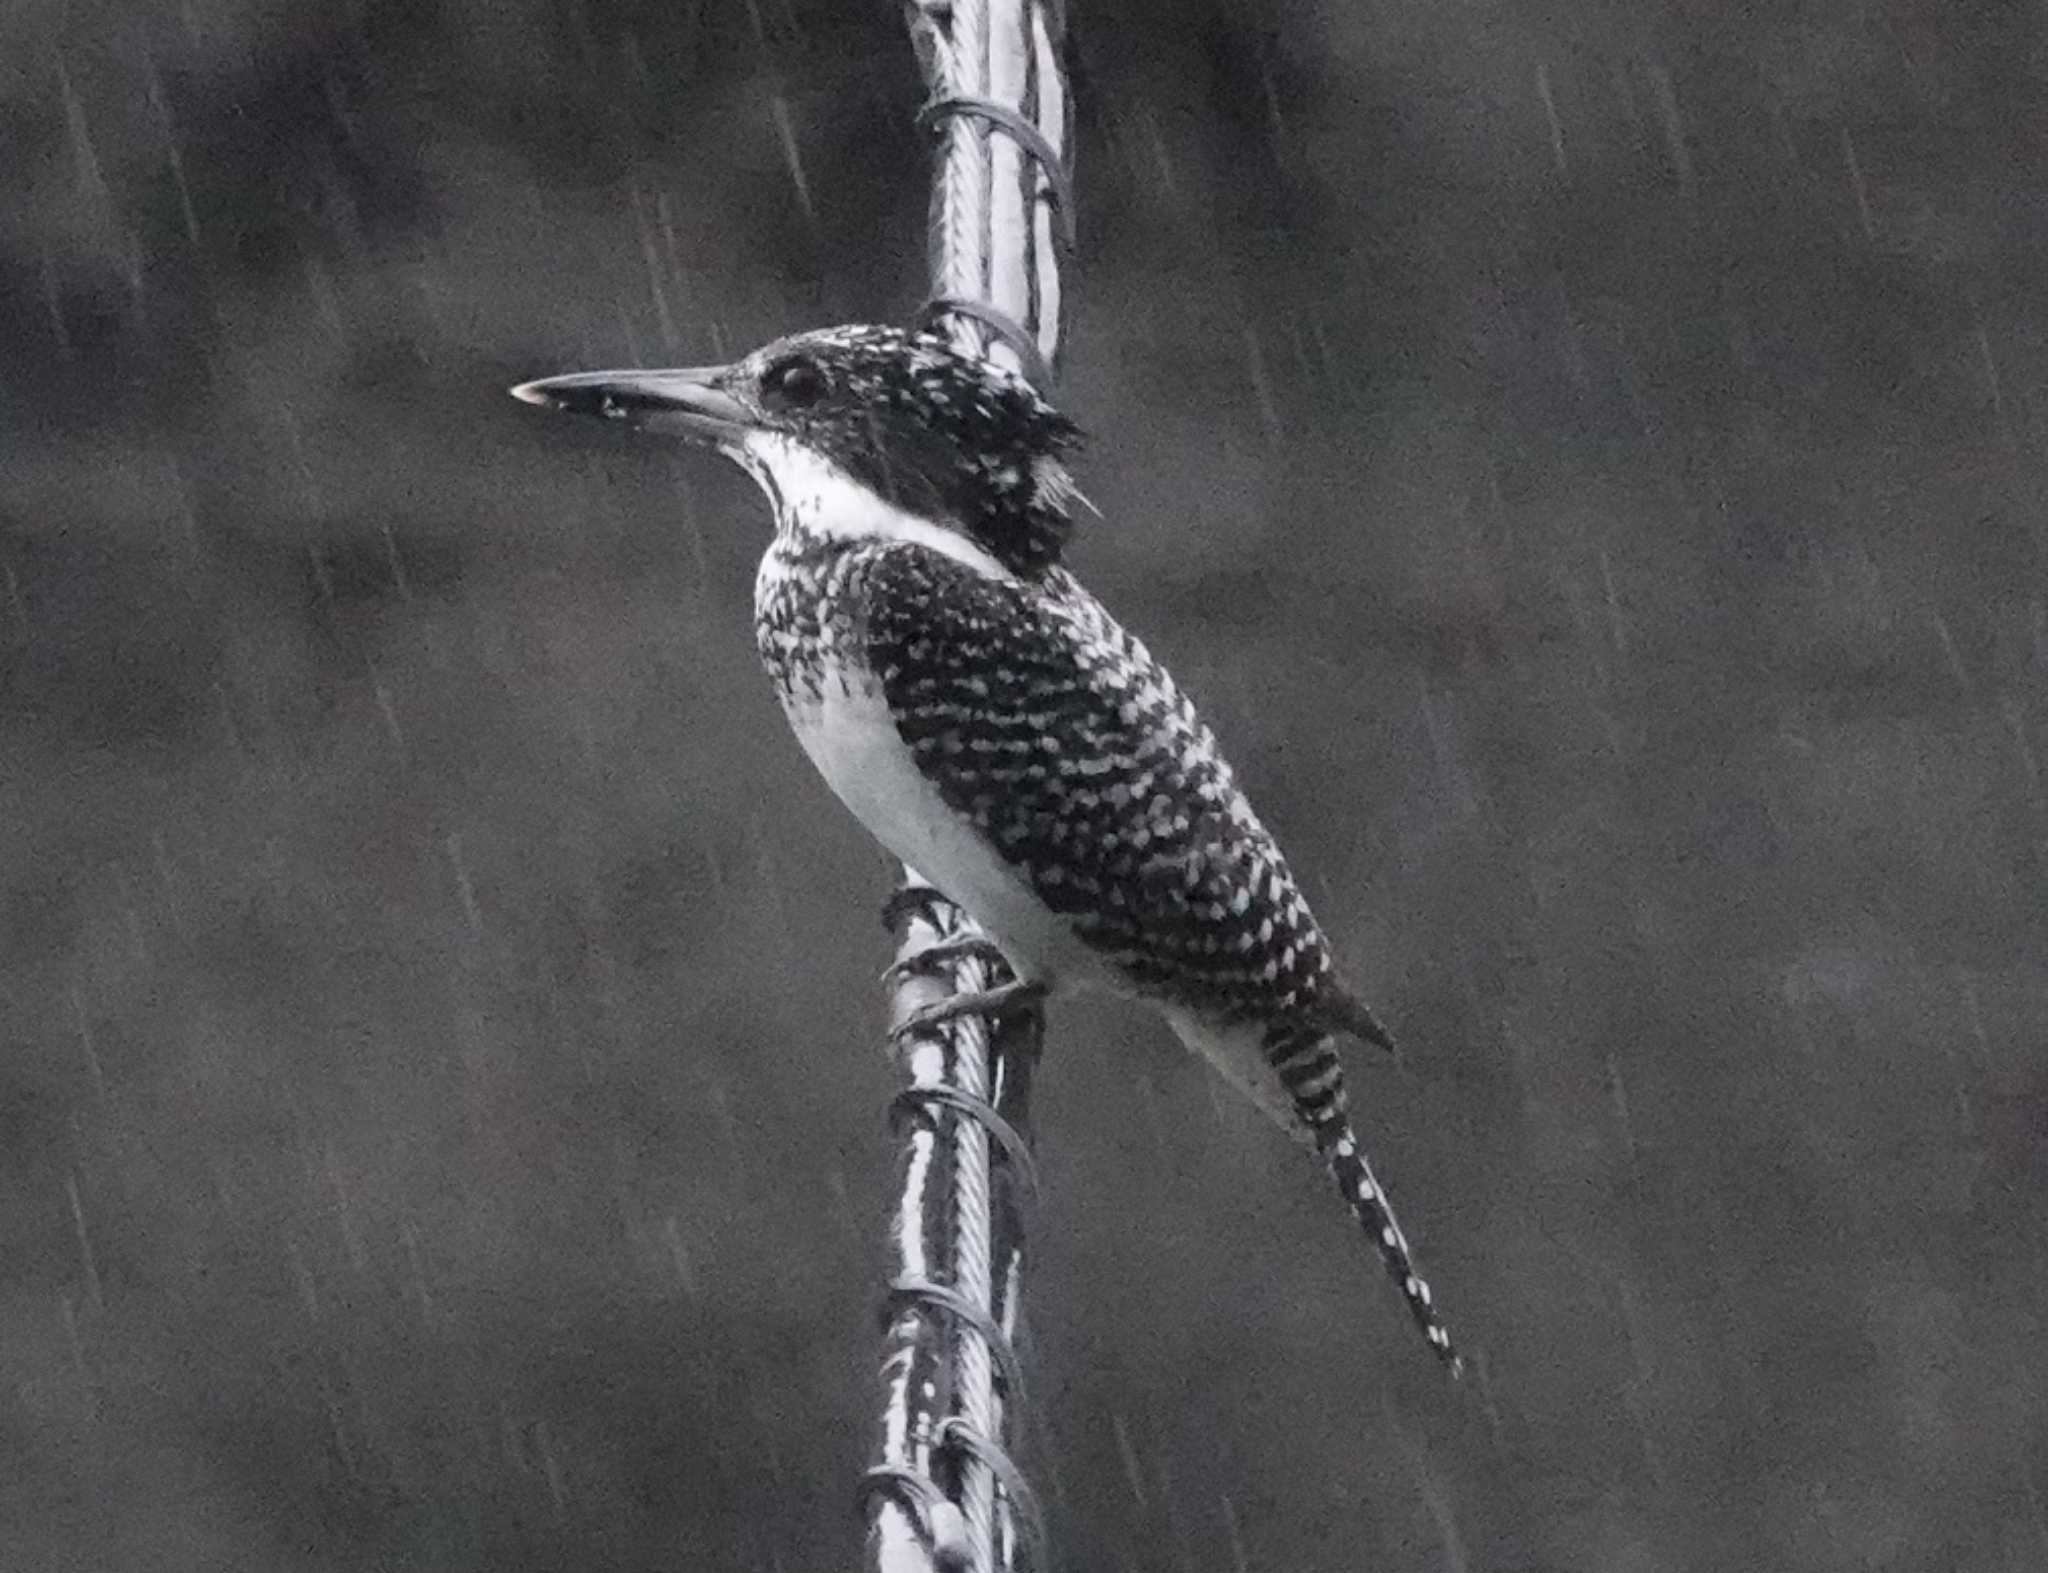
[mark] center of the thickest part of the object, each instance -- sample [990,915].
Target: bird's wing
[1039,719]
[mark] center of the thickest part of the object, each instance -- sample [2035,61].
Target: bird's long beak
[690,403]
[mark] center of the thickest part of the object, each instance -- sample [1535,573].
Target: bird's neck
[799,605]
[819,505]
[1007,533]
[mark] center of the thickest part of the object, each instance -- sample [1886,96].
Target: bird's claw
[929,961]
[1004,1000]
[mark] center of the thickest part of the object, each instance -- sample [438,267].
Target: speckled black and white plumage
[1054,732]
[892,411]
[994,727]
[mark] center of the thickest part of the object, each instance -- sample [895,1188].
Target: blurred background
[1586,457]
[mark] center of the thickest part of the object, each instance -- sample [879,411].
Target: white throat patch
[811,491]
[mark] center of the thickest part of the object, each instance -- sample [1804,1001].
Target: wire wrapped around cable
[1002,219]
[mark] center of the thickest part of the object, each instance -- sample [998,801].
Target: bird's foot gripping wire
[1004,1000]
[935,958]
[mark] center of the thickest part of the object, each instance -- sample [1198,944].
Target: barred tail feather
[1307,1065]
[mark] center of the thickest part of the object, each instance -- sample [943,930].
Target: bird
[990,723]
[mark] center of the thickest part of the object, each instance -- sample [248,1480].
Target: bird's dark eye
[795,383]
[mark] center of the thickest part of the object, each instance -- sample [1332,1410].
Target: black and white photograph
[1023,786]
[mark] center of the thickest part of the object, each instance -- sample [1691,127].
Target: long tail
[1306,1062]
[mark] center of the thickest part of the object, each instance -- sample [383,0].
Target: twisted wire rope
[946,1492]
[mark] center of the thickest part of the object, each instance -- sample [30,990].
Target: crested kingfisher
[997,730]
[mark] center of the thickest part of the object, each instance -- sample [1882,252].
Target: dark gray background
[1587,459]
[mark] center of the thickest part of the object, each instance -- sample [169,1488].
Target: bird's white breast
[846,729]
[850,736]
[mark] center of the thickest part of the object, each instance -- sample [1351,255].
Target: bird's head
[866,431]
